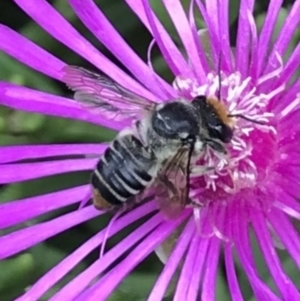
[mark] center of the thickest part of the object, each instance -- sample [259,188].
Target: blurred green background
[19,272]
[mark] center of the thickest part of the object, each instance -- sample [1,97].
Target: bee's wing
[173,184]
[101,94]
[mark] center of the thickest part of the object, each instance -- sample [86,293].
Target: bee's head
[215,120]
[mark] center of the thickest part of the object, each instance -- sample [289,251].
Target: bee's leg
[198,171]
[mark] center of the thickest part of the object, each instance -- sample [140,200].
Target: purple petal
[242,243]
[175,258]
[35,101]
[243,37]
[77,285]
[284,284]
[210,271]
[192,265]
[286,232]
[223,16]
[212,11]
[197,38]
[98,24]
[202,257]
[266,34]
[32,55]
[173,57]
[109,282]
[26,171]
[215,46]
[187,270]
[176,12]
[22,210]
[23,239]
[284,194]
[253,49]
[289,121]
[288,101]
[233,284]
[61,269]
[218,216]
[286,34]
[49,19]
[290,68]
[17,153]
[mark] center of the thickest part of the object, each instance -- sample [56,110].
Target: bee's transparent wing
[103,95]
[173,185]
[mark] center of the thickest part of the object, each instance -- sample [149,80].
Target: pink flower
[255,187]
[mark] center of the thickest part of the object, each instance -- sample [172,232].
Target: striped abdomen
[123,172]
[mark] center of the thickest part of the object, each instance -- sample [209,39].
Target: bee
[160,146]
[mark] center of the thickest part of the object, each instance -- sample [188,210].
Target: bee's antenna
[246,118]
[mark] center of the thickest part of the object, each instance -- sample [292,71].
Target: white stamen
[236,170]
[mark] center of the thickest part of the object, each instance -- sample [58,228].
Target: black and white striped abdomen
[125,169]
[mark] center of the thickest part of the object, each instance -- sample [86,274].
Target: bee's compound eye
[221,131]
[226,133]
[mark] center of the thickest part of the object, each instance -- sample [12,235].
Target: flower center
[252,147]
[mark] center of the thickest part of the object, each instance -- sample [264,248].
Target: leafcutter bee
[160,146]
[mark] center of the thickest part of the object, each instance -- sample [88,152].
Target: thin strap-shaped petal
[212,11]
[78,284]
[286,34]
[285,195]
[98,24]
[169,50]
[242,243]
[20,152]
[67,264]
[233,284]
[22,210]
[210,271]
[31,54]
[35,101]
[288,101]
[215,46]
[223,16]
[286,232]
[197,37]
[266,33]
[243,40]
[290,68]
[109,282]
[288,122]
[176,12]
[175,258]
[202,257]
[253,48]
[10,173]
[53,22]
[20,240]
[284,284]
[187,270]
